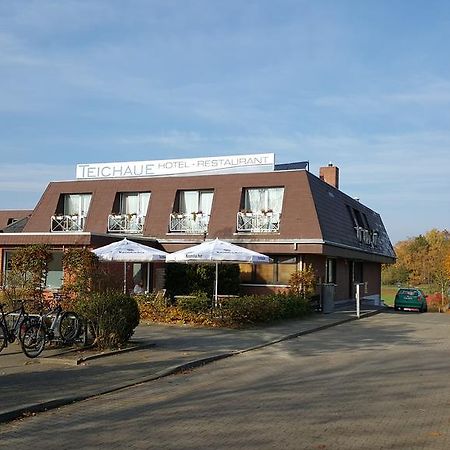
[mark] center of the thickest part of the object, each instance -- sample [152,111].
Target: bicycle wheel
[3,337]
[33,340]
[26,323]
[82,340]
[69,327]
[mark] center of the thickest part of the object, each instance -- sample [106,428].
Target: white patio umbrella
[217,252]
[129,251]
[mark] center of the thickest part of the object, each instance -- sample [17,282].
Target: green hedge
[183,279]
[267,308]
[113,315]
[197,303]
[233,311]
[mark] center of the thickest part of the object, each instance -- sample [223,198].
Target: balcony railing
[368,237]
[195,223]
[258,222]
[67,223]
[125,223]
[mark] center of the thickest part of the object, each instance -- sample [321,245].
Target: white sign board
[263,162]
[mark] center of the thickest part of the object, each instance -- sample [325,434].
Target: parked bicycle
[12,325]
[56,325]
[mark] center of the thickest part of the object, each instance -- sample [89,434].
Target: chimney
[330,175]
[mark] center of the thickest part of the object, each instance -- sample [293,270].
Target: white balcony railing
[196,223]
[258,222]
[125,223]
[67,223]
[368,237]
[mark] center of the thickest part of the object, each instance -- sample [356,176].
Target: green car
[410,298]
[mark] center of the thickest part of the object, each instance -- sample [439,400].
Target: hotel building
[282,210]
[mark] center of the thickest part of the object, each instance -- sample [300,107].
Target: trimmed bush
[114,317]
[197,303]
[234,311]
[200,278]
[267,308]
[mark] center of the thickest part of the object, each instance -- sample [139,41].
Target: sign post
[358,300]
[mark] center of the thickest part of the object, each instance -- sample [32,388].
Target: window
[260,210]
[330,271]
[263,199]
[55,271]
[190,202]
[76,204]
[191,212]
[129,212]
[71,212]
[358,272]
[277,273]
[7,265]
[364,233]
[134,203]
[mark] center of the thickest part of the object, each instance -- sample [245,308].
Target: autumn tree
[303,282]
[422,260]
[438,256]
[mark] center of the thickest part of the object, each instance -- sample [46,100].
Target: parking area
[378,383]
[34,384]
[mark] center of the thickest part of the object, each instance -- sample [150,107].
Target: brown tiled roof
[8,215]
[315,216]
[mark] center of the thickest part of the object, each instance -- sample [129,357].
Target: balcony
[126,223]
[258,222]
[368,237]
[194,223]
[65,223]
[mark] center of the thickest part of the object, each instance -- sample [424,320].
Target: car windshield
[412,292]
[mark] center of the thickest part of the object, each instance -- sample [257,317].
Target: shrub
[197,303]
[200,278]
[114,317]
[234,311]
[258,308]
[81,271]
[29,268]
[437,303]
[303,282]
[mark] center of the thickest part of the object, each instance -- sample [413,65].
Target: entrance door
[355,275]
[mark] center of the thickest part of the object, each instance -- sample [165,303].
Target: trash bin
[328,294]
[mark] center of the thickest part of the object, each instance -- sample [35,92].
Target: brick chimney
[330,174]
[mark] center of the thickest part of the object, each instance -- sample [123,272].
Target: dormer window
[364,233]
[192,211]
[71,212]
[260,210]
[129,212]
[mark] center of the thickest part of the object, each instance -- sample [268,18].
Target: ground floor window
[330,271]
[142,275]
[277,272]
[55,269]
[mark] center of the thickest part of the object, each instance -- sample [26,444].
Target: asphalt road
[378,383]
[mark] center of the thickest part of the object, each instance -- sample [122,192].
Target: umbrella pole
[124,277]
[216,302]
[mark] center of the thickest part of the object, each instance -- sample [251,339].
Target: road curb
[27,410]
[59,358]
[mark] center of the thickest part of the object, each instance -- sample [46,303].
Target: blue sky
[364,84]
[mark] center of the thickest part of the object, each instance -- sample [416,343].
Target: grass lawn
[388,294]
